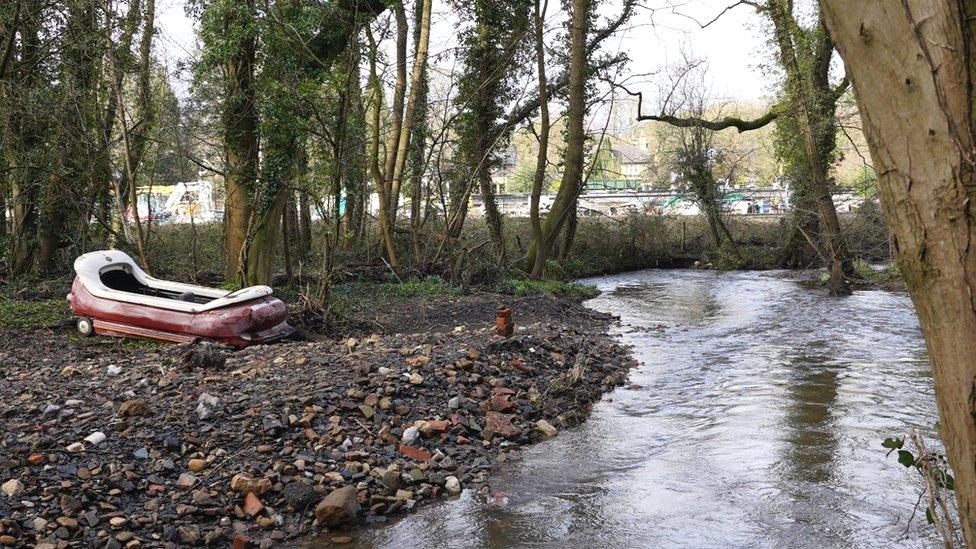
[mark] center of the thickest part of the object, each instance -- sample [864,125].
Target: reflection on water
[757,422]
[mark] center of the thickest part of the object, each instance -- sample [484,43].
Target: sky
[733,47]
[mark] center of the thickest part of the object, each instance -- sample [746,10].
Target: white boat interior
[112,274]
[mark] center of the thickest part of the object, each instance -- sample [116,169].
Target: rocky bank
[138,445]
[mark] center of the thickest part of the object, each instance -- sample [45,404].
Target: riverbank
[121,443]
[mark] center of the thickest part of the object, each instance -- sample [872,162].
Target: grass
[523,286]
[354,296]
[17,313]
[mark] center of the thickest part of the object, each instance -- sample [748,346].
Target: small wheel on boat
[85,326]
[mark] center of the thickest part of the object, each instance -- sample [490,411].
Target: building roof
[630,154]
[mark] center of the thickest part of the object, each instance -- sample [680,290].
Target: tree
[564,205]
[492,48]
[229,33]
[912,66]
[809,103]
[695,156]
[542,160]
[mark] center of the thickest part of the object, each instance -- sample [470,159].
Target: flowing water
[755,420]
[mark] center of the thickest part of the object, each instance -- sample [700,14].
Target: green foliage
[495,53]
[559,288]
[355,296]
[933,468]
[15,313]
[744,257]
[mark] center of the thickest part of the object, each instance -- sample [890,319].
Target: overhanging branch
[714,125]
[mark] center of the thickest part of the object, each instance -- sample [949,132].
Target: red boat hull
[242,324]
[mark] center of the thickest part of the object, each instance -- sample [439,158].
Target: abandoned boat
[112,296]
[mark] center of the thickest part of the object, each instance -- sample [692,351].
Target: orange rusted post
[503,322]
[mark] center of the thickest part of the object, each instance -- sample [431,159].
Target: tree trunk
[912,67]
[381,182]
[418,138]
[572,182]
[304,225]
[538,266]
[802,103]
[240,136]
[396,115]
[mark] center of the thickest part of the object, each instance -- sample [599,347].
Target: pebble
[12,487]
[546,428]
[196,465]
[341,506]
[245,484]
[206,405]
[75,447]
[113,370]
[452,485]
[186,480]
[134,407]
[410,435]
[95,438]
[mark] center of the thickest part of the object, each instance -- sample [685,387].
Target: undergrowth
[523,286]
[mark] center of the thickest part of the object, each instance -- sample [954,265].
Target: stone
[113,370]
[245,484]
[341,540]
[141,453]
[252,505]
[546,428]
[186,480]
[12,487]
[7,540]
[367,411]
[500,403]
[452,485]
[95,438]
[341,506]
[416,379]
[67,522]
[454,403]
[196,465]
[189,535]
[300,495]
[391,479]
[36,458]
[75,447]
[39,524]
[385,403]
[70,505]
[497,423]
[415,453]
[118,522]
[206,406]
[410,435]
[134,407]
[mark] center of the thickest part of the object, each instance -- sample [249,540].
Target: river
[754,420]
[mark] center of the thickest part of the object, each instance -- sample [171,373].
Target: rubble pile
[170,446]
